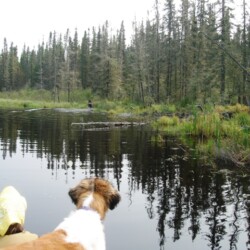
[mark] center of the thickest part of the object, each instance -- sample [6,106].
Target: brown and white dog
[83,229]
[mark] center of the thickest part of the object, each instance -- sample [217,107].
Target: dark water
[169,200]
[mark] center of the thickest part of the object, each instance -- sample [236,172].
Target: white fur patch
[87,202]
[84,227]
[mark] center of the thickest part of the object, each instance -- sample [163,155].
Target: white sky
[30,21]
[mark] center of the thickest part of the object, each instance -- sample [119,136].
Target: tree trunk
[222,57]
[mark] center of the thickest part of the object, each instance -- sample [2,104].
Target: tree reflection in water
[181,194]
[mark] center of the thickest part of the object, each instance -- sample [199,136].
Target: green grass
[207,125]
[28,98]
[30,104]
[31,98]
[211,130]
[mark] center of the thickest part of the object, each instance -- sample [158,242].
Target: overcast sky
[30,21]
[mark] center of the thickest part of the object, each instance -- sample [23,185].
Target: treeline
[195,53]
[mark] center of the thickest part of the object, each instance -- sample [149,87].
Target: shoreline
[221,133]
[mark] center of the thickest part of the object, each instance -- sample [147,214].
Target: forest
[193,53]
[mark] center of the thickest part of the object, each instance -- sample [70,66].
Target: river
[170,200]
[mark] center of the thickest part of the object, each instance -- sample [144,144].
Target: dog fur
[83,229]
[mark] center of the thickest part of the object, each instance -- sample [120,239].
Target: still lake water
[169,200]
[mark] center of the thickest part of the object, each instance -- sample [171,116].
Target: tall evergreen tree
[40,66]
[13,67]
[245,99]
[94,76]
[186,57]
[85,60]
[5,80]
[24,65]
[157,51]
[121,50]
[169,19]
[223,41]
[139,46]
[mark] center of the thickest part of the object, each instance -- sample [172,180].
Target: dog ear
[73,197]
[114,200]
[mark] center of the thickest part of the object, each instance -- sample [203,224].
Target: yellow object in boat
[12,208]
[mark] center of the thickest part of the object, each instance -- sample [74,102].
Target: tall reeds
[213,129]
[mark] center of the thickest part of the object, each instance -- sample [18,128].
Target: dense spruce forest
[193,53]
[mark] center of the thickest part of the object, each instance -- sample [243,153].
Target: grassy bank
[222,133]
[219,132]
[28,99]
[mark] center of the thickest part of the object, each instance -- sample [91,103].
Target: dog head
[100,193]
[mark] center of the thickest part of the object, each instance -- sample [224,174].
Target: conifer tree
[24,66]
[5,80]
[224,39]
[187,91]
[94,62]
[121,50]
[156,48]
[139,63]
[85,60]
[40,66]
[245,99]
[169,55]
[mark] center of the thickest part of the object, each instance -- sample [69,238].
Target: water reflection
[192,206]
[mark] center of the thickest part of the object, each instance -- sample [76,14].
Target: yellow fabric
[12,208]
[14,239]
